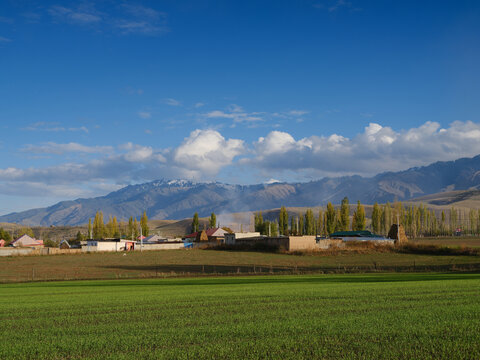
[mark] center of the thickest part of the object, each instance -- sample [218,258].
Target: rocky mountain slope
[179,199]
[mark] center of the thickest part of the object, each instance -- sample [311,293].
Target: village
[210,237]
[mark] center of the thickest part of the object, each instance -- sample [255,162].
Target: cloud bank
[205,153]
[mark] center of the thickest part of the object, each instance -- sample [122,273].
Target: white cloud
[4,39]
[198,105]
[124,19]
[59,149]
[52,127]
[235,113]
[172,102]
[204,153]
[80,15]
[145,114]
[375,150]
[207,151]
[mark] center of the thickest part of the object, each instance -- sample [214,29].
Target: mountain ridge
[177,199]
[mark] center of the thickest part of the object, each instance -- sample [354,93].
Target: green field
[377,316]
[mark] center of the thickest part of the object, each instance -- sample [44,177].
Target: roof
[26,240]
[359,233]
[154,238]
[209,232]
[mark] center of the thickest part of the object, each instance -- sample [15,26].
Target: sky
[96,95]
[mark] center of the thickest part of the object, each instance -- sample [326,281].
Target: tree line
[417,220]
[324,223]
[195,226]
[114,229]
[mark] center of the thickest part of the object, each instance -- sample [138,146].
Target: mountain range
[178,199]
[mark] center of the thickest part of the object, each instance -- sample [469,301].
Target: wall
[278,242]
[42,251]
[164,246]
[302,243]
[328,243]
[230,238]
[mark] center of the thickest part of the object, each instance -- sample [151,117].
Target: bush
[424,249]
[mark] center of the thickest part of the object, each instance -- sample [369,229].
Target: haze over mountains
[177,199]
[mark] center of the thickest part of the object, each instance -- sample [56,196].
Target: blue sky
[95,95]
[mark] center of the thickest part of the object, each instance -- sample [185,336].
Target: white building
[230,238]
[108,245]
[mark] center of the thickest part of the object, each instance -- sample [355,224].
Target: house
[64,244]
[288,243]
[108,245]
[154,239]
[27,241]
[212,234]
[230,238]
[360,235]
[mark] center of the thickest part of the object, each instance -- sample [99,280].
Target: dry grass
[202,262]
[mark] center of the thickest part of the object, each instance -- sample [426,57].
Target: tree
[309,223]
[283,221]
[376,218]
[301,225]
[260,225]
[98,226]
[293,225]
[345,215]
[213,220]
[359,221]
[443,226]
[136,232]
[115,227]
[79,237]
[320,223]
[89,235]
[273,229]
[144,224]
[453,219]
[5,235]
[130,228]
[26,231]
[195,223]
[330,219]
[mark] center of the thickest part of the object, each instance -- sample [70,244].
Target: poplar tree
[359,220]
[453,219]
[320,223]
[293,226]
[283,221]
[376,218]
[330,219]
[136,232]
[130,228]
[309,223]
[115,228]
[301,225]
[144,224]
[89,235]
[195,223]
[344,215]
[213,220]
[98,226]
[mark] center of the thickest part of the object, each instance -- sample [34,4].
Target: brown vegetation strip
[199,262]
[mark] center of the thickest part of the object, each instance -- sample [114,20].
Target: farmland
[388,316]
[210,262]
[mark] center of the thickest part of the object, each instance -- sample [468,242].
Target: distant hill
[179,199]
[459,198]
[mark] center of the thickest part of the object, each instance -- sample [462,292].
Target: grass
[379,316]
[203,262]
